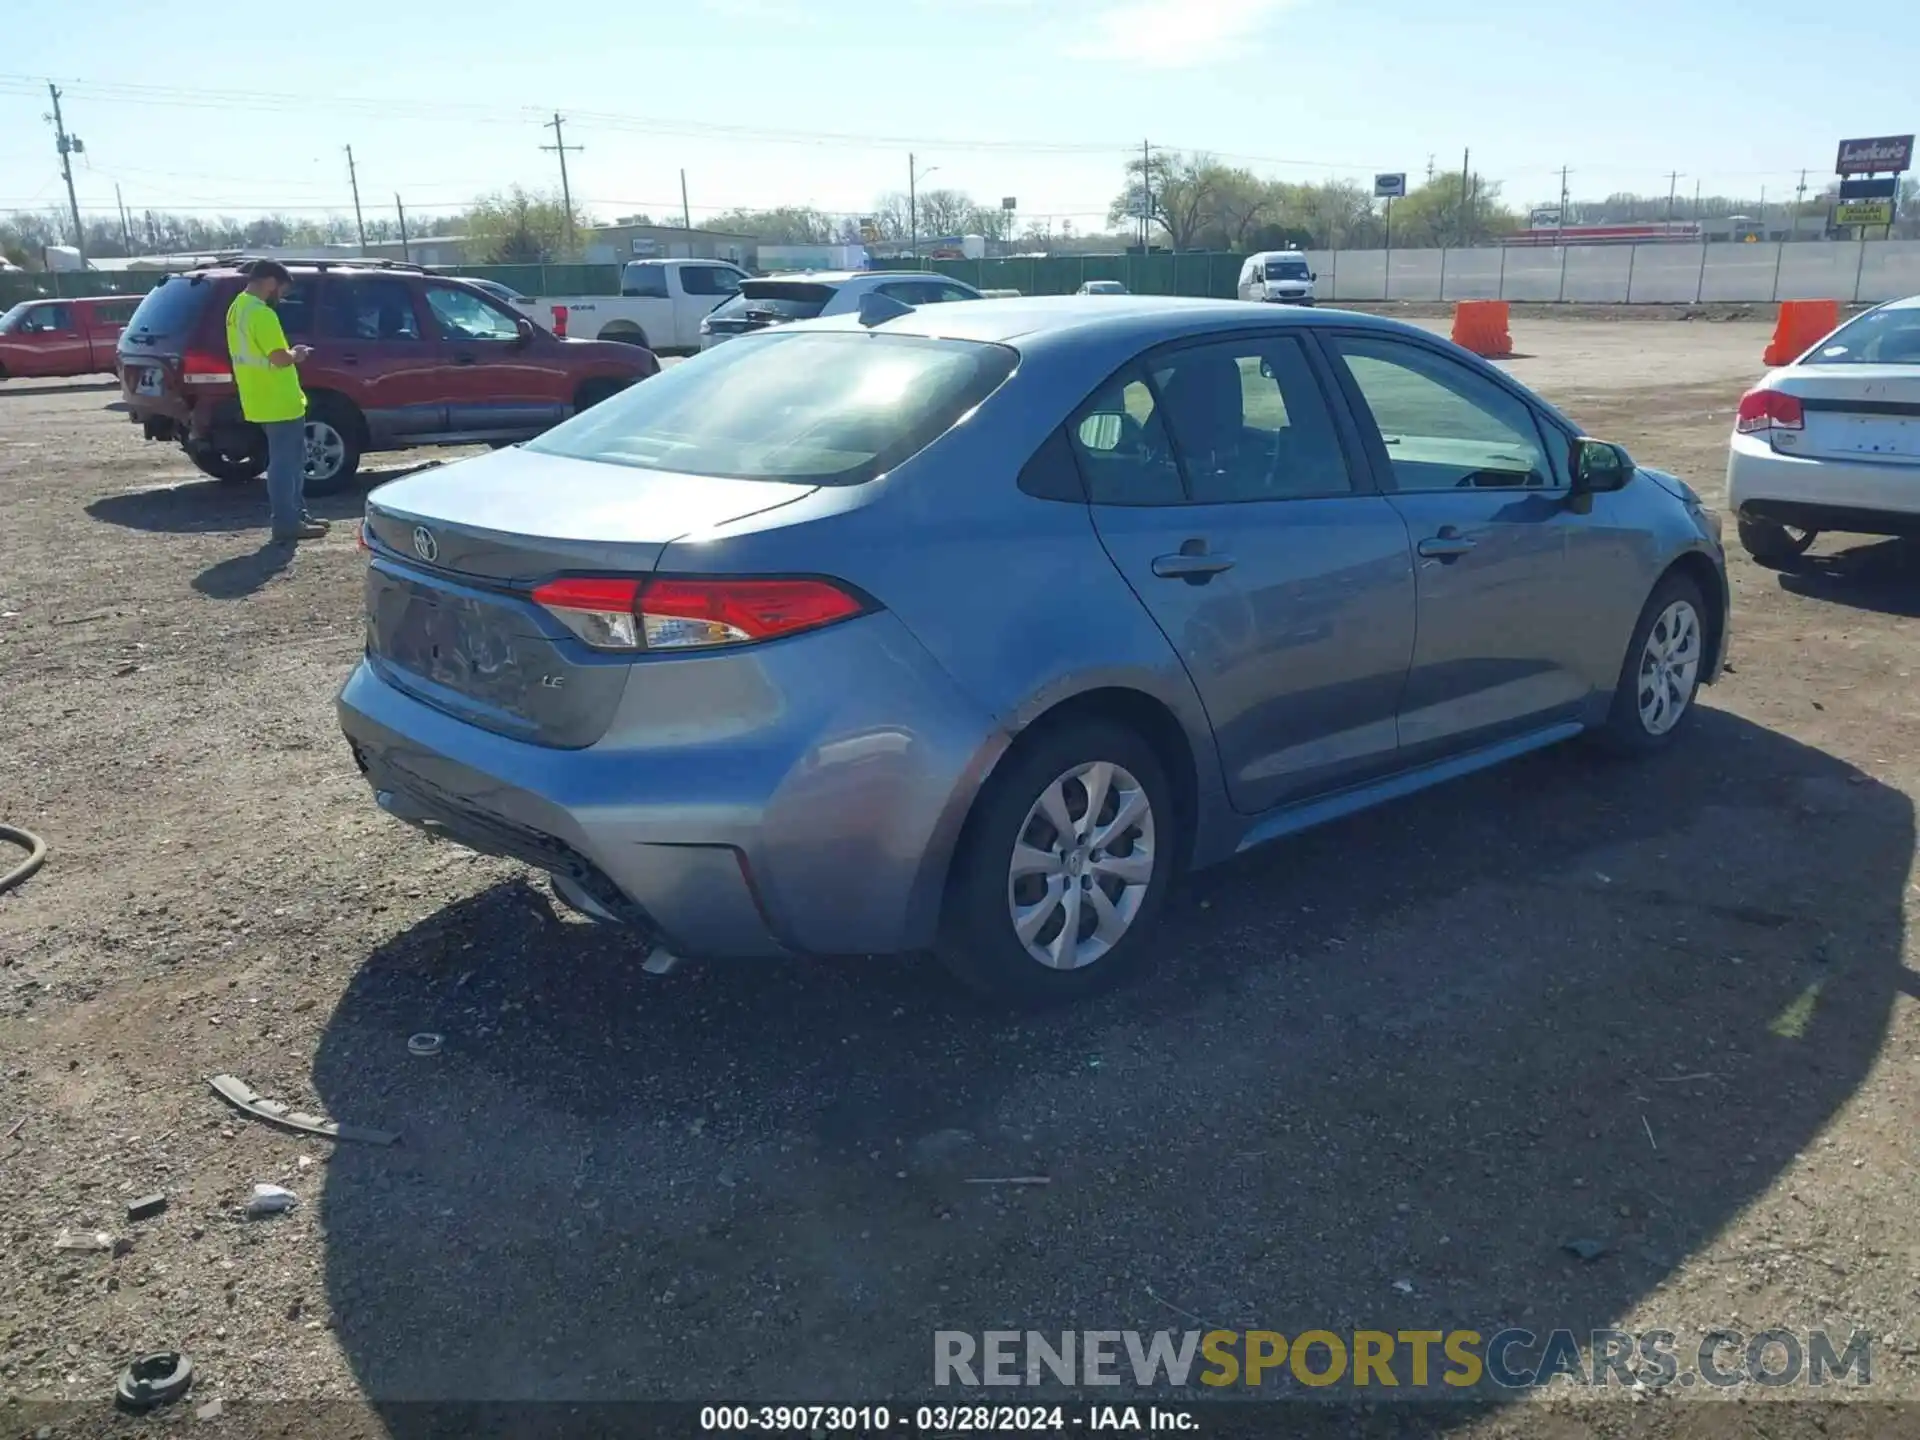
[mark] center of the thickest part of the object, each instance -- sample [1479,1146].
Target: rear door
[104,320]
[699,288]
[384,353]
[492,382]
[1228,487]
[1484,497]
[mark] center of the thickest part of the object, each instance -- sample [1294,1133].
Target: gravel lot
[1382,1073]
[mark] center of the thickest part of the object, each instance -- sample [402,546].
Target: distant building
[619,243]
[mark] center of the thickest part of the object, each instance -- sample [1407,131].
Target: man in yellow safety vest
[266,374]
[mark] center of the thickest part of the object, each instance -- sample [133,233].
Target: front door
[1223,489]
[375,346]
[1485,501]
[494,383]
[58,345]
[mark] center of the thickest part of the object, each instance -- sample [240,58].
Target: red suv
[400,358]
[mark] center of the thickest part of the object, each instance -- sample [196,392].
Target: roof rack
[329,262]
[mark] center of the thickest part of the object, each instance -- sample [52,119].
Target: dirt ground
[1381,1075]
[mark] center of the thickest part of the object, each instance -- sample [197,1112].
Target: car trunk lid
[1855,412]
[458,549]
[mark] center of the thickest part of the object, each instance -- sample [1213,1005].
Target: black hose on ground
[36,849]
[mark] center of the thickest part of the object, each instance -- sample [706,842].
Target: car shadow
[26,390]
[211,507]
[1377,1078]
[1883,576]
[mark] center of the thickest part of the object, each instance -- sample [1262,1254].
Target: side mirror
[526,329]
[1598,467]
[1312,275]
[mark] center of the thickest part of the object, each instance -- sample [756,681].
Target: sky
[765,103]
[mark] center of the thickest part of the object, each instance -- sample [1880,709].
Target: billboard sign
[1389,187]
[1885,189]
[1880,155]
[1863,212]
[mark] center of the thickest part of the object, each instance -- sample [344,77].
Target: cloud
[1171,34]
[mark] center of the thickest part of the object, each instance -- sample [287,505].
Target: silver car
[964,628]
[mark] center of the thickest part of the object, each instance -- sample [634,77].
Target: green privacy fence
[1198,273]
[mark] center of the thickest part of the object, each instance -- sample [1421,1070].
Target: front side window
[48,320]
[1445,427]
[1888,336]
[825,409]
[1250,422]
[1120,439]
[462,315]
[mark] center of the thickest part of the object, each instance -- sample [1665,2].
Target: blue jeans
[286,474]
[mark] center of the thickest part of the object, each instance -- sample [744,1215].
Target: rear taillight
[1765,409]
[688,614]
[203,367]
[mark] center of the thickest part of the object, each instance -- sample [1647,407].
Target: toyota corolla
[962,629]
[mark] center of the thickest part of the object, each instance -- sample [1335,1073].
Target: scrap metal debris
[154,1380]
[237,1093]
[146,1207]
[83,1240]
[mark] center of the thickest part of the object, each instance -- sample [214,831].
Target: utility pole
[126,230]
[1799,199]
[913,213]
[560,147]
[1146,196]
[1429,167]
[69,146]
[353,179]
[1563,202]
[1466,198]
[1697,217]
[406,250]
[686,214]
[1673,182]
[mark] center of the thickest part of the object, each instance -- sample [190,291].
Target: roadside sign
[1863,212]
[1883,189]
[1389,187]
[1008,202]
[1880,155]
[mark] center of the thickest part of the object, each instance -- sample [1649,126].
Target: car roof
[848,277]
[1146,319]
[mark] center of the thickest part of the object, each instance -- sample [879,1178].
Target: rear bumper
[1872,497]
[811,809]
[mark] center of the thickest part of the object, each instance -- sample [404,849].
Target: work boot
[305,530]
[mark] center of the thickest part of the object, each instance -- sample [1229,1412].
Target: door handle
[1449,545]
[349,358]
[463,359]
[1194,569]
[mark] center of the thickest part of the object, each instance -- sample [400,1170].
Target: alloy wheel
[1081,866]
[1669,667]
[326,450]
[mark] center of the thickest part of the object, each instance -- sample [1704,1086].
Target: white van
[1280,277]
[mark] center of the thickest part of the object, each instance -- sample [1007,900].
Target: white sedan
[1832,441]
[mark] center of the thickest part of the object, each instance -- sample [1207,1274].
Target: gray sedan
[964,628]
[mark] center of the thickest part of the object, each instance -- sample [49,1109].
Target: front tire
[1773,545]
[1062,869]
[333,447]
[1660,678]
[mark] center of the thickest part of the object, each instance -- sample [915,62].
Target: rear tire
[1660,677]
[226,466]
[1017,874]
[1773,545]
[334,446]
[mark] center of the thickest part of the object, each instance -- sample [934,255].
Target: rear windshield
[776,300]
[170,311]
[820,409]
[1880,337]
[1286,270]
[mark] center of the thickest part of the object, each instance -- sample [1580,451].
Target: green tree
[518,227]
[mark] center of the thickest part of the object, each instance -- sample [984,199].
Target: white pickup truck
[660,305]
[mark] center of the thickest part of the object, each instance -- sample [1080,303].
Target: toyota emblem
[424,545]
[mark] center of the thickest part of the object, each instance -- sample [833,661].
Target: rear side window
[709,280]
[645,282]
[828,409]
[1879,337]
[371,308]
[114,312]
[777,300]
[171,310]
